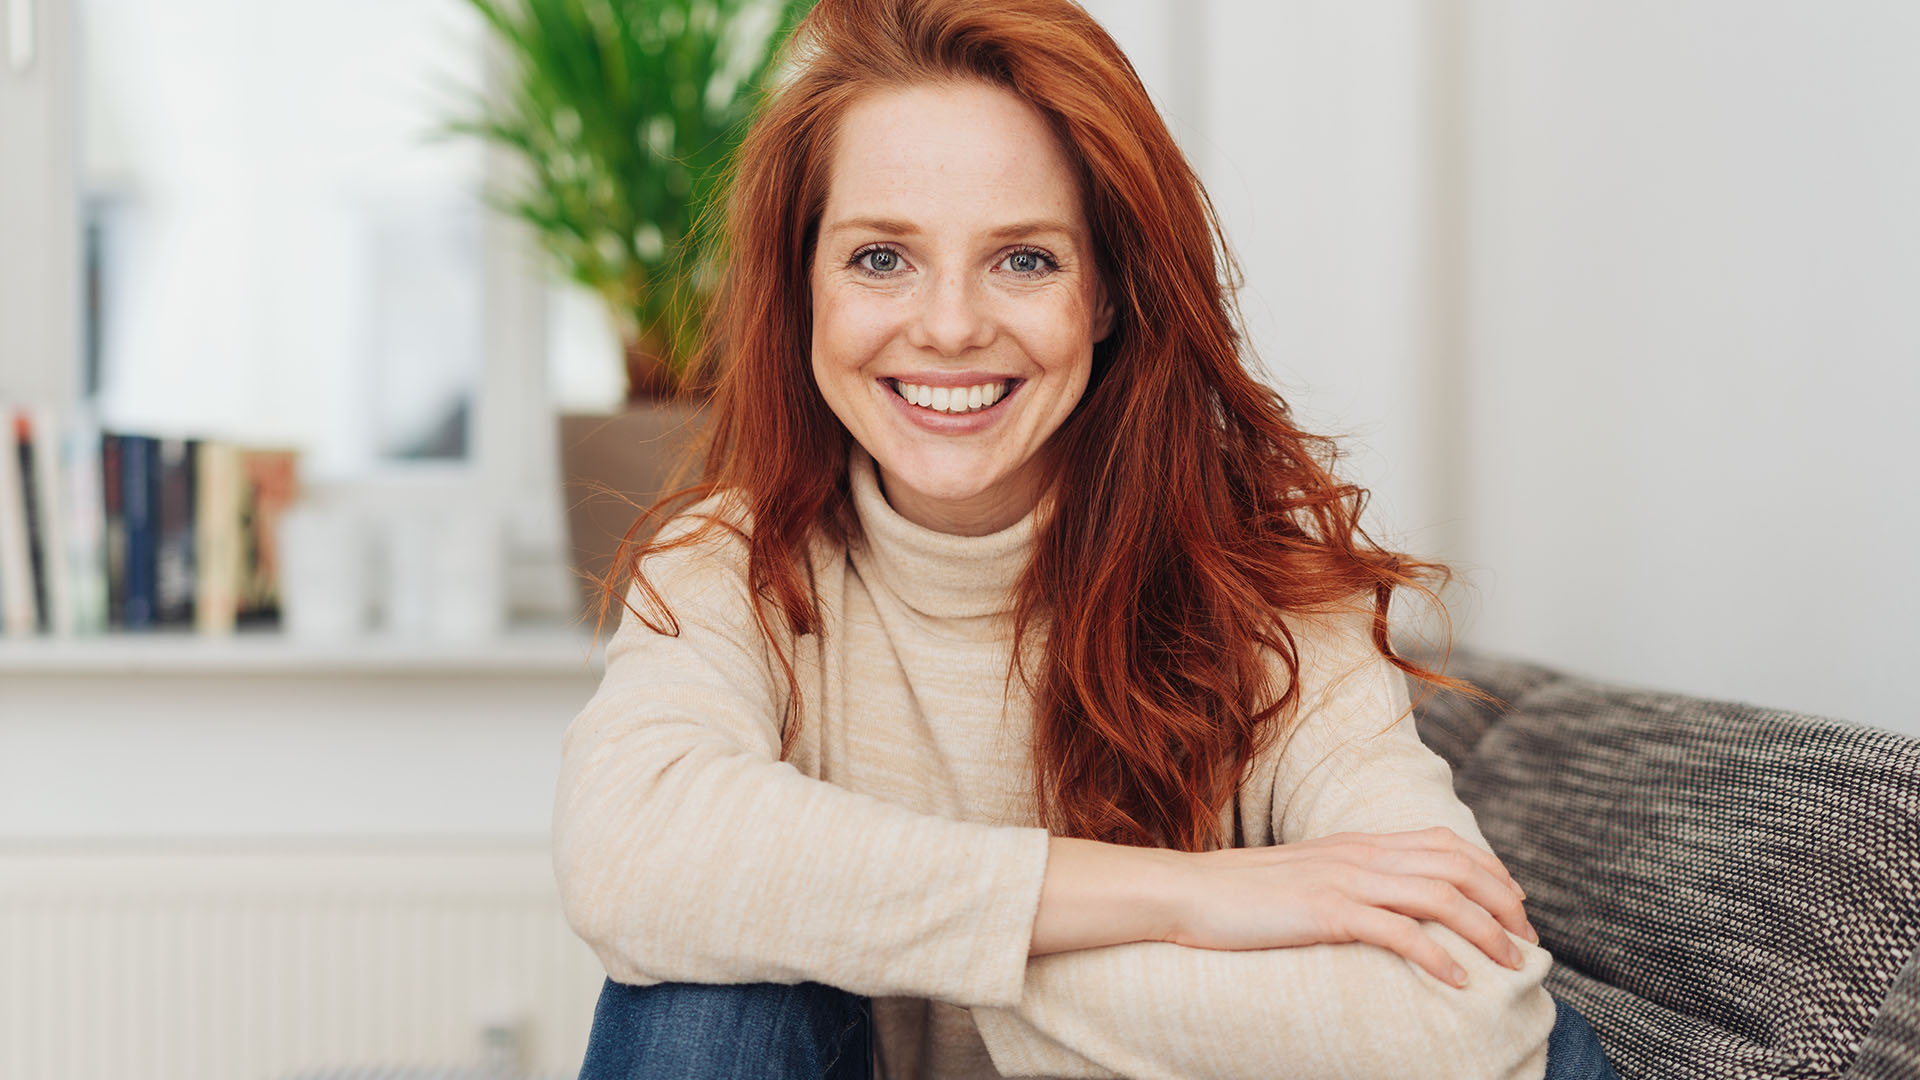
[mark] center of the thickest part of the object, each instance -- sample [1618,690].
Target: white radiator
[197,965]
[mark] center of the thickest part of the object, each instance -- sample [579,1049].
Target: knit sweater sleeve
[684,851]
[1157,1011]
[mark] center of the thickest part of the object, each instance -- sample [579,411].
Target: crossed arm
[685,851]
[1153,1010]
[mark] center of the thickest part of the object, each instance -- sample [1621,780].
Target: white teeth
[957,399]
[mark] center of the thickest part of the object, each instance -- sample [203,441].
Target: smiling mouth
[957,400]
[953,400]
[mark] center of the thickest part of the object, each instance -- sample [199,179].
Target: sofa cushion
[1728,891]
[1452,724]
[1892,1049]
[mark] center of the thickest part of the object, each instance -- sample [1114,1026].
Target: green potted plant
[624,113]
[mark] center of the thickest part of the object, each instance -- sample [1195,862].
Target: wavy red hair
[1200,511]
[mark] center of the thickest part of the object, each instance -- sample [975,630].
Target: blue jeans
[775,1031]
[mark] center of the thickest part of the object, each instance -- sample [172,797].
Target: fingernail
[1459,975]
[1532,934]
[1513,956]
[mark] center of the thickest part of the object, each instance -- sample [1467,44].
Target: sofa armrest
[1892,1047]
[1727,890]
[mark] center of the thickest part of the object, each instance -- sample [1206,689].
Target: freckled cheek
[848,334]
[1057,344]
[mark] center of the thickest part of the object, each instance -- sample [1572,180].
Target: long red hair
[1199,514]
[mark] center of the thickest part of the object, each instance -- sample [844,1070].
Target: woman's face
[955,300]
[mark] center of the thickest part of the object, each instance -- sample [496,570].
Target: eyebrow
[1031,227]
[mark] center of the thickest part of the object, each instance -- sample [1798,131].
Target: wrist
[1164,877]
[1098,894]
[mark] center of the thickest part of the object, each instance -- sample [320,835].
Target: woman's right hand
[1368,887]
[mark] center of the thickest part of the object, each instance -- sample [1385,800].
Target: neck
[989,512]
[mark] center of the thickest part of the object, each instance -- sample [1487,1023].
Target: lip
[948,379]
[940,423]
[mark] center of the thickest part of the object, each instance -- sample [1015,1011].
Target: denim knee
[1573,1048]
[775,1031]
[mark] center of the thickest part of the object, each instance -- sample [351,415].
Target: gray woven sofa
[1728,891]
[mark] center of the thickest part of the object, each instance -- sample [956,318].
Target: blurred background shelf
[536,649]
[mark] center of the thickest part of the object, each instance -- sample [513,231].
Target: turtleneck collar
[943,575]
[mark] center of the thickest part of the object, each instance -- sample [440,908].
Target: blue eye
[1030,262]
[877,260]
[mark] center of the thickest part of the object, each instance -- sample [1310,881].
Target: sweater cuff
[1017,1048]
[1005,925]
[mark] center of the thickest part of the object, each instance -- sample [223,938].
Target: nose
[952,317]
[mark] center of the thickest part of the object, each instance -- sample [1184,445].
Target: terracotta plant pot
[631,452]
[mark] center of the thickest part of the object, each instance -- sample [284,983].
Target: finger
[1402,935]
[1438,900]
[1447,840]
[1368,849]
[1441,838]
[1466,874]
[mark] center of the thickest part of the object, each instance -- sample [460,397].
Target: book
[113,529]
[217,509]
[19,614]
[173,580]
[269,484]
[53,524]
[138,488]
[81,512]
[34,515]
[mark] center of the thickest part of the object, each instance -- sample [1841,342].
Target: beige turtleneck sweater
[898,855]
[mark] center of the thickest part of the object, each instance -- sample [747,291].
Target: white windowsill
[522,650]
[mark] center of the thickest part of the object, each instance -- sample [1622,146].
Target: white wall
[1308,124]
[1694,344]
[1315,156]
[39,208]
[1618,306]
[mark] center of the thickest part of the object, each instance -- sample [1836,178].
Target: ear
[1102,313]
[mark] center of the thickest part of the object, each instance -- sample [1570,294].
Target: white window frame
[511,453]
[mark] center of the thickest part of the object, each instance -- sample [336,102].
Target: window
[220,218]
[275,250]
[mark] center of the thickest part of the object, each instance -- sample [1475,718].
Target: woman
[1006,701]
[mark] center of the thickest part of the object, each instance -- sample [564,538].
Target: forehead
[960,155]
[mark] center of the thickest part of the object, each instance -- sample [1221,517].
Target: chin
[939,476]
[959,490]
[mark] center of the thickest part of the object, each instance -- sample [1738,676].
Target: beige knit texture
[898,854]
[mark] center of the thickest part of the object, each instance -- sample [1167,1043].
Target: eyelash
[1049,263]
